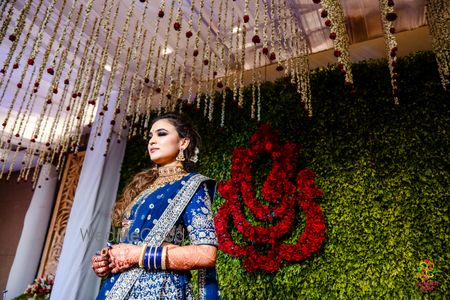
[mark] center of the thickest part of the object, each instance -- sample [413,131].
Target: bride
[157,208]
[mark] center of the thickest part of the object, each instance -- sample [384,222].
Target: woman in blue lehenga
[156,210]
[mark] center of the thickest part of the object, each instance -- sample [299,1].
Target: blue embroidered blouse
[196,222]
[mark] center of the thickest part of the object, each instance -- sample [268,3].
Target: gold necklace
[165,175]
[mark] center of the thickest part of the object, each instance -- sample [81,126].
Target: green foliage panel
[384,170]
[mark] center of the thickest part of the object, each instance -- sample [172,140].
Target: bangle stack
[153,258]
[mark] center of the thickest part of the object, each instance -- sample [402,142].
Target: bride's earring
[180,156]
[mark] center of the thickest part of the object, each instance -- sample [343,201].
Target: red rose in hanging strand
[286,191]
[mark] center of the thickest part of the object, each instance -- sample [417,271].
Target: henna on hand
[100,266]
[123,256]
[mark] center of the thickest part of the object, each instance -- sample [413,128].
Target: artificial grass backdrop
[384,170]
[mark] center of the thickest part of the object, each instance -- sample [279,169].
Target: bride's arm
[124,256]
[190,257]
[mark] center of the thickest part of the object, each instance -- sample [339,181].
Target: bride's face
[165,143]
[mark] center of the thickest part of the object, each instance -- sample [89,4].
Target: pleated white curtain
[89,223]
[32,239]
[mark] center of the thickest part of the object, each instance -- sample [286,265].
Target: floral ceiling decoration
[70,69]
[388,17]
[438,16]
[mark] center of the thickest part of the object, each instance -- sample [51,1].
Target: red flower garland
[284,197]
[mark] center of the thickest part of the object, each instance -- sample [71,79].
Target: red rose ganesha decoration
[285,190]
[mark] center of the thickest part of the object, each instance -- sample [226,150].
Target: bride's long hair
[145,178]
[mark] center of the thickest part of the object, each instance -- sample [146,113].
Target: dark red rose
[12,37]
[205,62]
[177,26]
[161,14]
[265,50]
[3,71]
[279,68]
[390,3]
[195,53]
[328,23]
[66,81]
[392,16]
[272,56]
[256,39]
[316,1]
[19,85]
[50,71]
[324,13]
[188,34]
[15,66]
[49,101]
[337,53]
[332,35]
[31,61]
[146,80]
[246,18]
[158,90]
[220,84]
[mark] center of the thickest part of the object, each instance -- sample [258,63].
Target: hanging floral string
[54,86]
[7,19]
[279,67]
[195,54]
[258,84]
[438,18]
[149,64]
[19,119]
[123,80]
[235,63]
[173,73]
[265,49]
[242,68]
[37,43]
[212,94]
[136,112]
[252,113]
[101,68]
[334,18]
[163,71]
[199,84]
[388,16]
[112,74]
[87,64]
[188,35]
[18,56]
[224,62]
[153,42]
[15,36]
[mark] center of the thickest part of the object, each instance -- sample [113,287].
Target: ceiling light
[167,51]
[236,29]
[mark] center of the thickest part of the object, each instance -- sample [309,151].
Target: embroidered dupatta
[172,200]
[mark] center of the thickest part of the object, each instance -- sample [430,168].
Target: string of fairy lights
[194,51]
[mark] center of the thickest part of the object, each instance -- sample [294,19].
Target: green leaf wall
[384,170]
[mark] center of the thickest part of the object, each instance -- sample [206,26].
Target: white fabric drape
[90,218]
[32,239]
